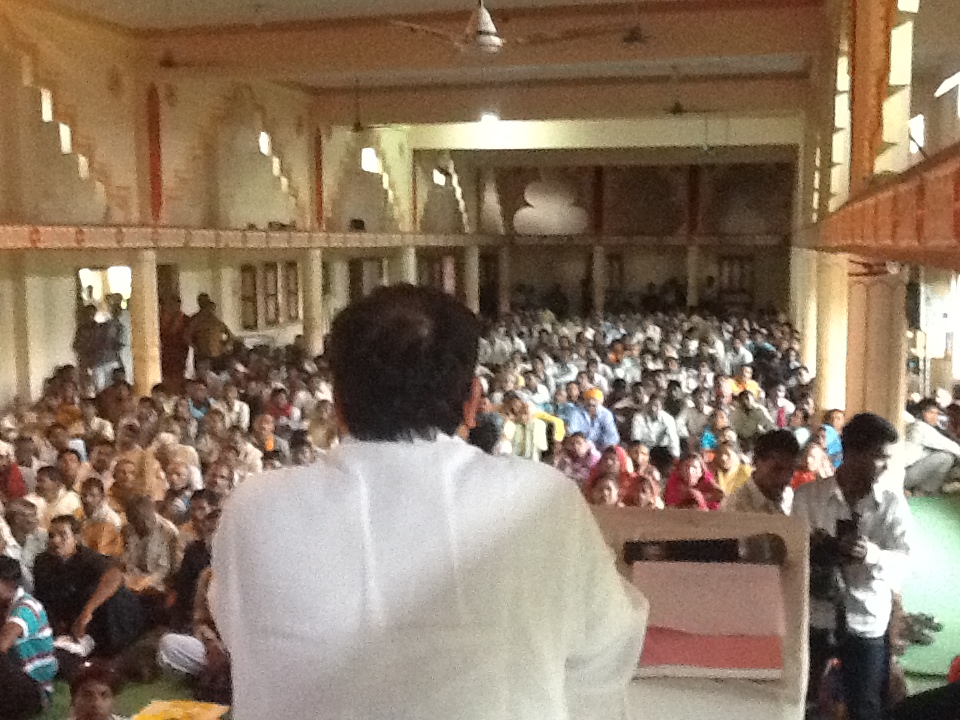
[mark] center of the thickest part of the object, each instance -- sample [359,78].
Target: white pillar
[145,321]
[693,276]
[448,273]
[313,318]
[384,271]
[599,278]
[371,276]
[471,277]
[504,283]
[804,302]
[339,285]
[833,295]
[408,265]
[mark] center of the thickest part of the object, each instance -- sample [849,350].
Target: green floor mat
[934,583]
[132,699]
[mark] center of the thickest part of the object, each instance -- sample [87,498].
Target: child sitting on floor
[92,693]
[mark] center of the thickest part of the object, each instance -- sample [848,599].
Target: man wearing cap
[595,421]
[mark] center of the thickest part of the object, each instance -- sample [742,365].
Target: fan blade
[455,38]
[575,33]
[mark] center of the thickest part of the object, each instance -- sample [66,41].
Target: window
[271,293]
[291,287]
[736,275]
[918,134]
[248,297]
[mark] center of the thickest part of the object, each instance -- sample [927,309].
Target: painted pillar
[504,284]
[145,321]
[471,277]
[876,346]
[693,276]
[313,317]
[408,265]
[599,278]
[832,309]
[339,285]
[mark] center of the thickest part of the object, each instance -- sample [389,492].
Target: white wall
[47,292]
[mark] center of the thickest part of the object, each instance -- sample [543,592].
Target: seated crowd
[663,410]
[110,501]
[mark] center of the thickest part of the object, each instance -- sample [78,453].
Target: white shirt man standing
[407,574]
[859,548]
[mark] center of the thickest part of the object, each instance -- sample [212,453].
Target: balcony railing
[62,237]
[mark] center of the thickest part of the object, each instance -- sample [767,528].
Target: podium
[693,698]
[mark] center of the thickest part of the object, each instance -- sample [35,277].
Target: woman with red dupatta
[691,485]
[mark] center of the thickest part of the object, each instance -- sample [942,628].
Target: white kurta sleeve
[607,629]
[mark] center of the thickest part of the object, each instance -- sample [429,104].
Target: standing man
[419,577]
[858,555]
[210,338]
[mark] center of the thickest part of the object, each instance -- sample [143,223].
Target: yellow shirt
[733,480]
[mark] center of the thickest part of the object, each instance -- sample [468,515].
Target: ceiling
[179,14]
[702,67]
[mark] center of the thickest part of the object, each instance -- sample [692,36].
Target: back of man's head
[403,361]
[866,432]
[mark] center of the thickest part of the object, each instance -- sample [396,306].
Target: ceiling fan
[481,34]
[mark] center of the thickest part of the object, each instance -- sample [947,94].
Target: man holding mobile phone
[859,550]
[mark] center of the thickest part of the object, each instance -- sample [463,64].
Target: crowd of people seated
[110,501]
[656,410]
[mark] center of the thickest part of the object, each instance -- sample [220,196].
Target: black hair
[403,361]
[924,405]
[95,672]
[52,472]
[867,431]
[206,494]
[68,451]
[10,570]
[101,441]
[776,442]
[70,521]
[484,435]
[92,482]
[299,438]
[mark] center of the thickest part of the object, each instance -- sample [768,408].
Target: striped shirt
[33,650]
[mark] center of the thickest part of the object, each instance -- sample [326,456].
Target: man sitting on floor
[27,539]
[83,591]
[27,662]
[100,524]
[151,549]
[930,455]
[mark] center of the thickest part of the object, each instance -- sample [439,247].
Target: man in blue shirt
[595,421]
[27,662]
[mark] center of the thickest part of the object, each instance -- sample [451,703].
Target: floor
[934,583]
[933,587]
[133,698]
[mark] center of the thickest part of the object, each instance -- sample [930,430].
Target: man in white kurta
[420,579]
